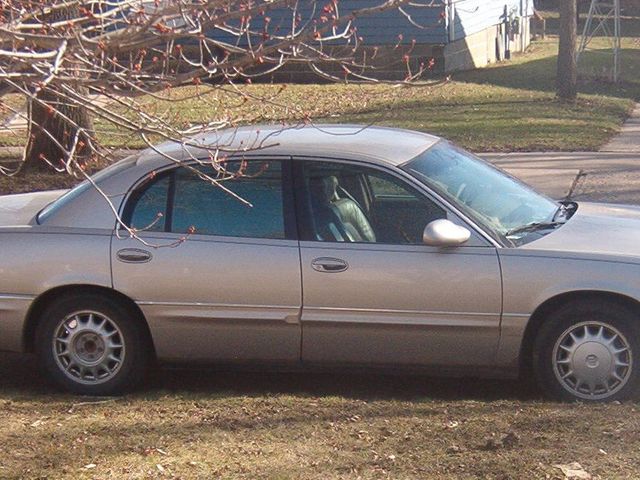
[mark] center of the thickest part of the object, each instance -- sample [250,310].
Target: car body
[330,266]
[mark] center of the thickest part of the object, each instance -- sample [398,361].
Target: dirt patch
[35,182]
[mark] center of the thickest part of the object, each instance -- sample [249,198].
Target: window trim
[403,177]
[288,209]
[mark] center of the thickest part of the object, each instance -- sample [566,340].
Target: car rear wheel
[588,351]
[92,345]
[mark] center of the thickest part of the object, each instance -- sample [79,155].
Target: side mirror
[445,233]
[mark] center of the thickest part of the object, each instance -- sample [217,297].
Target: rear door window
[249,205]
[245,201]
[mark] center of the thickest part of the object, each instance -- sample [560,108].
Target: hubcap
[88,347]
[592,360]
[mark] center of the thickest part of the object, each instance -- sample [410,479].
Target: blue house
[457,34]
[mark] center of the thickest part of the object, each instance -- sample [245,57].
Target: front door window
[349,203]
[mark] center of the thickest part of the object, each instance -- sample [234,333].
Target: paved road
[610,177]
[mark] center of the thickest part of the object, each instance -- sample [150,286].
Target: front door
[374,293]
[231,290]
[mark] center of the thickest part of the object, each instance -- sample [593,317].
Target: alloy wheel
[88,347]
[592,360]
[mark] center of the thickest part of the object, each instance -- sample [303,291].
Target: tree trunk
[567,76]
[41,149]
[45,118]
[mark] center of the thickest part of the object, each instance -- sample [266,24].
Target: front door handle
[329,265]
[133,255]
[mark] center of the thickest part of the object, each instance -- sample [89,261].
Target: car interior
[352,204]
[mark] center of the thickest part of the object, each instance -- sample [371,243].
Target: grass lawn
[197,424]
[505,107]
[509,106]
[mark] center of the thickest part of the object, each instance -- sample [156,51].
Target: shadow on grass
[539,74]
[508,125]
[19,377]
[365,386]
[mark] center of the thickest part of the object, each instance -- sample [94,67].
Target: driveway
[612,177]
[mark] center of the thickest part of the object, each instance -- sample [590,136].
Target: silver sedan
[335,247]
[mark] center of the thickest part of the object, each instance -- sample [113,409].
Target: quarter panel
[34,261]
[13,310]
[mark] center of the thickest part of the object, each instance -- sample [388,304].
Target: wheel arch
[43,300]
[542,312]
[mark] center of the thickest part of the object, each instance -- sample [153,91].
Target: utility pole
[604,19]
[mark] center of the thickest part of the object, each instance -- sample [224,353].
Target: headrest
[324,189]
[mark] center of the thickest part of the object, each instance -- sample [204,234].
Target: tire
[92,345]
[590,352]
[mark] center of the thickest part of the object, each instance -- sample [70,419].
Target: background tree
[74,60]
[567,71]
[42,123]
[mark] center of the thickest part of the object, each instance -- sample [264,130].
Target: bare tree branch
[109,57]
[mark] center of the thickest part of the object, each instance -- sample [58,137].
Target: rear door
[390,299]
[219,275]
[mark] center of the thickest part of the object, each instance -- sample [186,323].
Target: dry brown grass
[208,424]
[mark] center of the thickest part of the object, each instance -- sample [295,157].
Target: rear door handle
[329,265]
[133,255]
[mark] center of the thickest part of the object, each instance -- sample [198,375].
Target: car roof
[378,144]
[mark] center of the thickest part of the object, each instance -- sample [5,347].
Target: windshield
[493,199]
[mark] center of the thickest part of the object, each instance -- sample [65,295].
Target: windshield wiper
[533,227]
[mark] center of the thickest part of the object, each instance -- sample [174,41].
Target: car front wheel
[588,351]
[92,345]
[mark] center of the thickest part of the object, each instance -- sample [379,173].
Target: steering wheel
[521,210]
